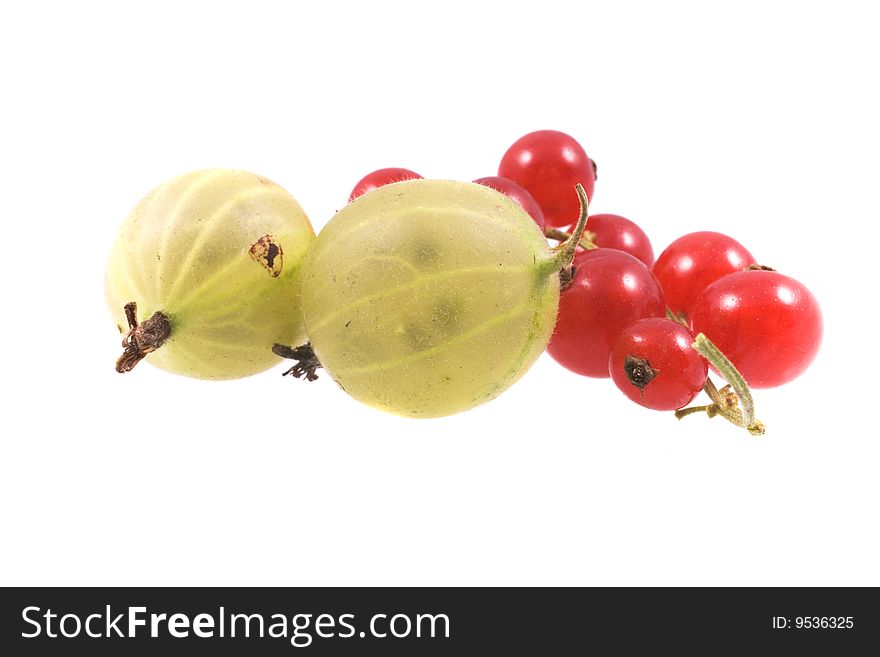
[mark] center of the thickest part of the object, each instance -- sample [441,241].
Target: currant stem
[724,403]
[710,389]
[710,352]
[142,338]
[588,239]
[727,401]
[679,317]
[690,410]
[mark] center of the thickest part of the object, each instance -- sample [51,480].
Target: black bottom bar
[393,621]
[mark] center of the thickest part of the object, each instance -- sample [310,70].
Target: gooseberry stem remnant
[563,253]
[306,360]
[142,338]
[727,401]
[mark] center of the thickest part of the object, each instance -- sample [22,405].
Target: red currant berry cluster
[655,328]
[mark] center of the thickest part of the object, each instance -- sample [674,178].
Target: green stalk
[727,401]
[563,253]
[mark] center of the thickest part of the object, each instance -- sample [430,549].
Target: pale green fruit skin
[185,251]
[425,298]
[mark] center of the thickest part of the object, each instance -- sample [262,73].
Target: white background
[759,120]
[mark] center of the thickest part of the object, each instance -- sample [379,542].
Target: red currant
[688,265]
[549,164]
[653,363]
[518,193]
[610,290]
[381,177]
[768,325]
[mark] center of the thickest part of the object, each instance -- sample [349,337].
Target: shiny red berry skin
[653,363]
[768,324]
[610,291]
[549,164]
[518,193]
[615,232]
[694,261]
[381,177]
